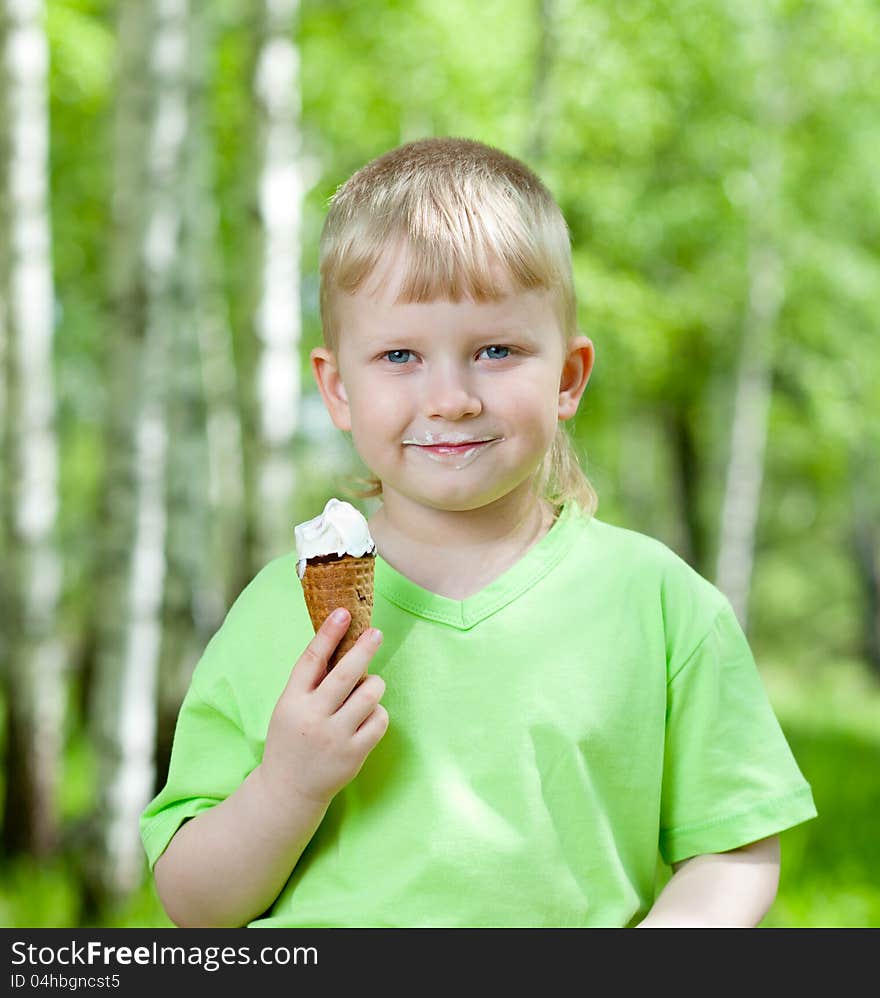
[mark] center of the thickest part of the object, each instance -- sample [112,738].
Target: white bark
[205,484]
[4,355]
[547,30]
[151,129]
[766,290]
[279,189]
[36,685]
[203,260]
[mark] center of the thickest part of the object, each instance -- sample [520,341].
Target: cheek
[373,407]
[533,402]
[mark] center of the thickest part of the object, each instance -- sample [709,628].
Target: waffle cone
[348,582]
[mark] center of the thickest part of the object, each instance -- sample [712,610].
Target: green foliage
[37,895]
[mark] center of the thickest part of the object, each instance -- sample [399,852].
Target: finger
[361,703]
[343,677]
[311,666]
[371,731]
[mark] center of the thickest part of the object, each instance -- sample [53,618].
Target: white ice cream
[465,456]
[340,529]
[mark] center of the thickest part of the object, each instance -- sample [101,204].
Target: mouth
[453,448]
[460,452]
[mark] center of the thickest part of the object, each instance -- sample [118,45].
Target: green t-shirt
[594,704]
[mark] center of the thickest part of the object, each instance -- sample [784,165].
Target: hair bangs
[446,255]
[445,221]
[482,267]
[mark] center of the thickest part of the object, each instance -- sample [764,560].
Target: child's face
[451,404]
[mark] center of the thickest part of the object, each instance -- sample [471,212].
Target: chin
[459,500]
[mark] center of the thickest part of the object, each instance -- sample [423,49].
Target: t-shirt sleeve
[729,776]
[210,758]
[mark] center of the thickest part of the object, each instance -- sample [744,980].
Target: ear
[576,370]
[325,368]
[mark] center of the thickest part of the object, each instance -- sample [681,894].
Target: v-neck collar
[464,614]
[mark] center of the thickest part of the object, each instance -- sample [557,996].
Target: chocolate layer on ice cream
[336,557]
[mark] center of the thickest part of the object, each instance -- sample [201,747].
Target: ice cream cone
[336,557]
[330,582]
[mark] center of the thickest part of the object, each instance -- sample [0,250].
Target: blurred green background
[716,163]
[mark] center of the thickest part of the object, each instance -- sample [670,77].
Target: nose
[448,395]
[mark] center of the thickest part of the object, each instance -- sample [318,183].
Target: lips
[458,454]
[450,448]
[451,439]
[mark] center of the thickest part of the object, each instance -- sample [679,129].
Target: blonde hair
[473,220]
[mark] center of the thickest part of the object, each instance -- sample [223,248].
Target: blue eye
[497,356]
[398,356]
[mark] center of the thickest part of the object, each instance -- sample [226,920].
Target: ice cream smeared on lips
[336,564]
[340,529]
[453,444]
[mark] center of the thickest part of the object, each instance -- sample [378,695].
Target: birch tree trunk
[151,129]
[865,544]
[686,465]
[751,409]
[5,441]
[34,655]
[547,41]
[225,435]
[277,191]
[205,480]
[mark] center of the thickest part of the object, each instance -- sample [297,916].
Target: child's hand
[325,723]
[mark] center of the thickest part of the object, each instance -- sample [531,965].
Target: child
[567,699]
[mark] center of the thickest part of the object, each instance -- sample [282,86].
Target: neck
[514,516]
[457,553]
